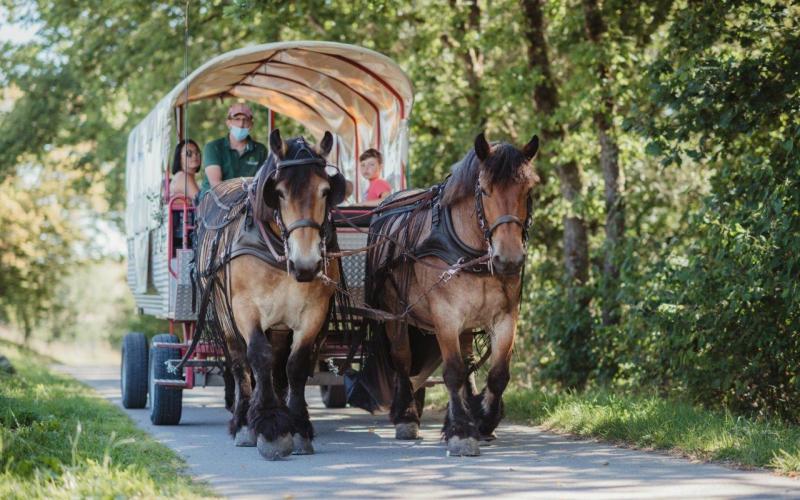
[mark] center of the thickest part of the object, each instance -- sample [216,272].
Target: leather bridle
[488,230]
[285,230]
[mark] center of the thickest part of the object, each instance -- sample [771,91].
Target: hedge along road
[357,456]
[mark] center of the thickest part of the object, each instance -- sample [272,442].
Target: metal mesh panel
[354,265]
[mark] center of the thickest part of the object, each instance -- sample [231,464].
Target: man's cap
[239,108]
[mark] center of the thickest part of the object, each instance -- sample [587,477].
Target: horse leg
[425,359]
[404,414]
[471,394]
[267,414]
[243,435]
[280,347]
[460,432]
[492,409]
[298,368]
[230,389]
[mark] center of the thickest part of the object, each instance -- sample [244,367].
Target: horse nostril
[505,265]
[304,272]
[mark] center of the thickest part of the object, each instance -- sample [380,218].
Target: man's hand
[214,175]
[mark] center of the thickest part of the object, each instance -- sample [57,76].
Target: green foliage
[57,440]
[705,118]
[720,314]
[40,238]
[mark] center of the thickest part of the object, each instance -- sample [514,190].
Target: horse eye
[281,194]
[326,192]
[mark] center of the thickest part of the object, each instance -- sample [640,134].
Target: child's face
[371,169]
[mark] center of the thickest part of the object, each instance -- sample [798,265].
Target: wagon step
[195,363]
[175,384]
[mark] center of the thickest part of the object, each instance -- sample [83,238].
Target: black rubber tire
[333,396]
[133,370]
[166,403]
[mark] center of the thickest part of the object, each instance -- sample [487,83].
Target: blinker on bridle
[286,231]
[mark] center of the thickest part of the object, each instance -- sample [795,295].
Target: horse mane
[296,177]
[504,166]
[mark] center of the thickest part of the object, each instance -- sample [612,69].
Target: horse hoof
[406,431]
[274,450]
[245,437]
[302,445]
[463,447]
[488,437]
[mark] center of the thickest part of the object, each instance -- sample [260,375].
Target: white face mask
[239,133]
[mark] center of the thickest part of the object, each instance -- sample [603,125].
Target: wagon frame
[362,97]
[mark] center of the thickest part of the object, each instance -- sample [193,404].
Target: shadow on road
[357,456]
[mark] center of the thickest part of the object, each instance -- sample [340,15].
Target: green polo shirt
[221,153]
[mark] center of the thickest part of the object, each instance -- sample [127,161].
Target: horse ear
[270,194]
[326,144]
[481,147]
[338,189]
[276,144]
[531,148]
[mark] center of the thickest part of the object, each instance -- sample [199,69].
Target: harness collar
[444,243]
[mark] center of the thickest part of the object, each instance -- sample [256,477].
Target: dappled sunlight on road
[357,456]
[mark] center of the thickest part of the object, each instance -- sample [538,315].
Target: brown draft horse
[486,204]
[271,314]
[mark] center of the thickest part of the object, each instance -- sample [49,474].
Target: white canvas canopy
[359,95]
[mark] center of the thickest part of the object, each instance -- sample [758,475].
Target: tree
[724,308]
[603,118]
[576,343]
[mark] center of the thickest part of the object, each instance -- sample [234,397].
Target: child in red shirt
[371,162]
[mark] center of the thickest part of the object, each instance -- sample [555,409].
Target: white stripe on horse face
[300,256]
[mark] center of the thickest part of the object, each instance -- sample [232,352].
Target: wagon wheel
[133,370]
[333,396]
[165,402]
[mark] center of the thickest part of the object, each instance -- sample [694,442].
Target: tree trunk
[609,163]
[471,57]
[576,242]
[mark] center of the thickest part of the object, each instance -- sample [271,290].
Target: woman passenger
[185,165]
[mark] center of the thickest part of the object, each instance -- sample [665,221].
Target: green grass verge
[653,422]
[60,440]
[657,423]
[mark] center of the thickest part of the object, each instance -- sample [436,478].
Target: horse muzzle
[507,265]
[304,271]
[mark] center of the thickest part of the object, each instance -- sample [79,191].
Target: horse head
[301,188]
[503,199]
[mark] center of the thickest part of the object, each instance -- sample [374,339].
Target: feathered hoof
[245,437]
[302,445]
[406,431]
[275,450]
[463,447]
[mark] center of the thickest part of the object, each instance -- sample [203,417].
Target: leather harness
[443,242]
[257,239]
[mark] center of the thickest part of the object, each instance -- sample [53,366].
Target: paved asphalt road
[357,457]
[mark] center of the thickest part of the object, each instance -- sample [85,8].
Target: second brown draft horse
[451,263]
